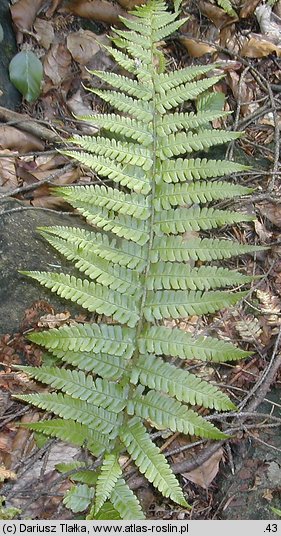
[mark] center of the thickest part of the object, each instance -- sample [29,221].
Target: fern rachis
[116,376]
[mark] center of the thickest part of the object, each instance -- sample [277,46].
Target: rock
[9,95]
[22,248]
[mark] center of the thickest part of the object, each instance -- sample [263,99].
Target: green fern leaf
[75,383]
[182,143]
[181,170]
[206,249]
[90,296]
[107,512]
[109,474]
[178,121]
[125,502]
[104,272]
[109,378]
[174,97]
[193,219]
[67,407]
[226,5]
[177,276]
[178,343]
[78,498]
[124,253]
[167,81]
[154,373]
[165,412]
[150,461]
[125,126]
[179,303]
[115,340]
[169,195]
[72,432]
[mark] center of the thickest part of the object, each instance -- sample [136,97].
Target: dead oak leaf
[57,64]
[207,471]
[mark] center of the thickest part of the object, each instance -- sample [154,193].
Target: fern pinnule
[141,262]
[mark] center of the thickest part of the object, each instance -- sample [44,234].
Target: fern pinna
[141,269]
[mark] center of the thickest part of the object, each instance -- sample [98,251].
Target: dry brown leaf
[264,235]
[78,107]
[8,176]
[248,8]
[44,32]
[271,211]
[6,474]
[196,48]
[24,12]
[82,45]
[16,140]
[98,10]
[57,64]
[215,14]
[53,8]
[259,47]
[269,303]
[267,495]
[205,474]
[53,321]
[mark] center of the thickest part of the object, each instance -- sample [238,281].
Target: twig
[28,125]
[54,211]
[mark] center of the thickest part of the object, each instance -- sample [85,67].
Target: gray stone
[22,248]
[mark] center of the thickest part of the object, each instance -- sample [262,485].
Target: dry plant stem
[35,185]
[52,210]
[229,153]
[23,122]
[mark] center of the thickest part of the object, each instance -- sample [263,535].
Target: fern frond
[123,152]
[154,373]
[107,168]
[182,143]
[165,412]
[169,195]
[125,502]
[181,170]
[177,276]
[77,384]
[78,498]
[129,86]
[170,80]
[170,123]
[114,340]
[98,419]
[91,296]
[110,472]
[226,5]
[109,198]
[125,126]
[72,432]
[125,104]
[173,248]
[107,366]
[168,29]
[181,220]
[124,252]
[150,461]
[175,96]
[105,272]
[178,343]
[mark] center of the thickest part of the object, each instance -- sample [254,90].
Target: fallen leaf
[267,25]
[214,13]
[53,8]
[205,474]
[53,321]
[78,107]
[98,10]
[271,211]
[24,13]
[82,45]
[16,140]
[264,235]
[248,8]
[196,48]
[44,32]
[6,474]
[259,47]
[57,64]
[8,177]
[267,495]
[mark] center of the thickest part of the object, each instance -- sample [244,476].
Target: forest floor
[236,479]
